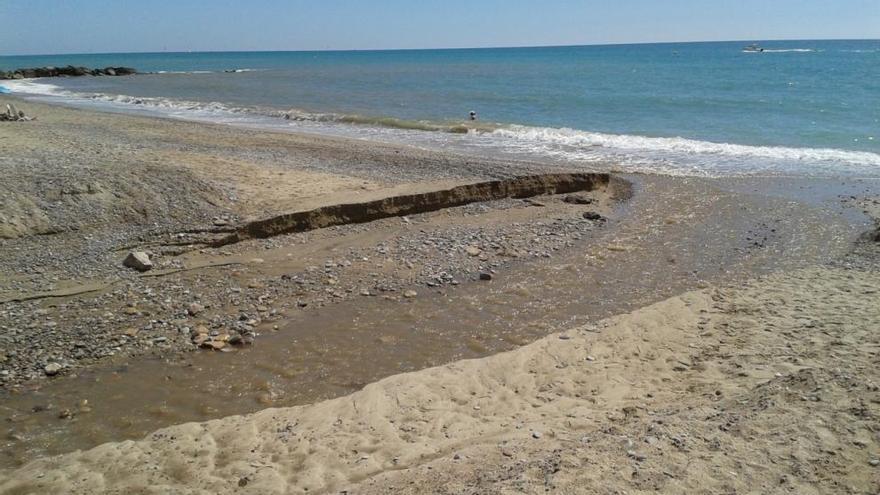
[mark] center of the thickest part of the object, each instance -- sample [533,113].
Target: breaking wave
[667,155]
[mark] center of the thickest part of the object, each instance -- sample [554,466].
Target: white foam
[184,72]
[33,87]
[789,50]
[688,155]
[665,155]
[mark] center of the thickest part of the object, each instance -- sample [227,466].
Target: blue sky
[77,26]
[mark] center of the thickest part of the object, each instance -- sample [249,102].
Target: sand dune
[766,388]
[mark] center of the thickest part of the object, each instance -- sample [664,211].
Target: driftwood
[14,115]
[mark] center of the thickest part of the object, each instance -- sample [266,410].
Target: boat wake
[789,50]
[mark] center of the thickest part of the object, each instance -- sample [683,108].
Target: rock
[195,309]
[473,251]
[874,462]
[52,369]
[70,70]
[576,199]
[536,434]
[635,455]
[410,294]
[486,276]
[592,215]
[139,261]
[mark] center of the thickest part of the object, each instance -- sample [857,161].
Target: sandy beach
[583,331]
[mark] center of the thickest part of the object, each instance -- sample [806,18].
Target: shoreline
[77,170]
[656,153]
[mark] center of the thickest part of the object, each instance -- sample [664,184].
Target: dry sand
[766,388]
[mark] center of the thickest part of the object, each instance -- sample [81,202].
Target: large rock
[138,260]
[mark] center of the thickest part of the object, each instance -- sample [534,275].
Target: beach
[476,332]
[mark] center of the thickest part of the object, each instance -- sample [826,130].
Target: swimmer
[473,115]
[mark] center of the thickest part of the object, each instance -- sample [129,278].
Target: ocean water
[800,108]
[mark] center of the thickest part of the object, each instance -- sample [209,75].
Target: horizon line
[495,47]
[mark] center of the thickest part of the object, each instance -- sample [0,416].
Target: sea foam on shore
[665,155]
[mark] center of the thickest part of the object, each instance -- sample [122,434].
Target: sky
[101,26]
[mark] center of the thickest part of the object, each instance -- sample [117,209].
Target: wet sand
[331,323]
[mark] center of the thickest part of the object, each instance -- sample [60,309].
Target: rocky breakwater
[69,71]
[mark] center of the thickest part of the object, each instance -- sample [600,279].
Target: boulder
[138,260]
[69,70]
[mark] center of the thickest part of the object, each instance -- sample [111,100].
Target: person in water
[473,115]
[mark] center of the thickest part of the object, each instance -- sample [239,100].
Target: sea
[798,108]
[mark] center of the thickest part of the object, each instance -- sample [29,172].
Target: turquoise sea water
[798,108]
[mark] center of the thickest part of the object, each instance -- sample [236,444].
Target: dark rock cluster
[69,71]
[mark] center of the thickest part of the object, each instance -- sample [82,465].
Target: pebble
[637,456]
[485,276]
[473,251]
[577,199]
[874,462]
[536,434]
[410,294]
[195,309]
[52,369]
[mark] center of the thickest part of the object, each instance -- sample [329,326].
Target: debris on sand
[14,115]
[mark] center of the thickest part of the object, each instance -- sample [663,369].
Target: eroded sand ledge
[769,387]
[412,204]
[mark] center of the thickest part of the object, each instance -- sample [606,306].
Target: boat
[753,49]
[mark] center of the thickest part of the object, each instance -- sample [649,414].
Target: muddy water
[674,235]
